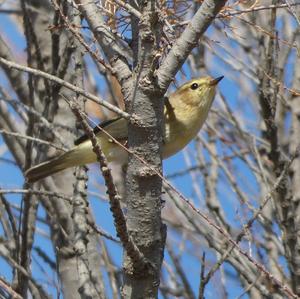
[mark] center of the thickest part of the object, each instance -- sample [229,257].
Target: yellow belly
[179,132]
[177,137]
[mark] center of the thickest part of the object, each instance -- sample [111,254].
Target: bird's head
[198,92]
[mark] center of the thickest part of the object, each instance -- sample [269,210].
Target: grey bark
[143,186]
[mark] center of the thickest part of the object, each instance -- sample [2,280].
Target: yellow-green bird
[185,112]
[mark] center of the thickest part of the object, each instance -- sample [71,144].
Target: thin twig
[202,277]
[132,250]
[9,289]
[253,9]
[66,84]
[34,139]
[247,226]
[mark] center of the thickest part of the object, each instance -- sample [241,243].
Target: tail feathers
[50,167]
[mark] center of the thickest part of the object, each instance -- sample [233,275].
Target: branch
[114,198]
[34,139]
[257,8]
[113,48]
[246,227]
[66,84]
[16,147]
[8,288]
[187,41]
[16,80]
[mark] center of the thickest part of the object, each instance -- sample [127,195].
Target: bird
[185,111]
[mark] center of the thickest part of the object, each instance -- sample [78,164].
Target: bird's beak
[215,81]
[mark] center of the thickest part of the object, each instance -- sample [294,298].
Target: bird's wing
[117,128]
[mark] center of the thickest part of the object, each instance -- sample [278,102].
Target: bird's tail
[75,157]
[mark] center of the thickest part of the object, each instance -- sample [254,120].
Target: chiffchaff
[185,112]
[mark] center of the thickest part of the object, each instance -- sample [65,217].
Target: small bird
[185,112]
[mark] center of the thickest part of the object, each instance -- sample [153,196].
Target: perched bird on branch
[185,112]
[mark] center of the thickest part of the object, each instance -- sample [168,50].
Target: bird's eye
[194,86]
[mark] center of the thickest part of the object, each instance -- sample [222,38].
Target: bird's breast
[181,130]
